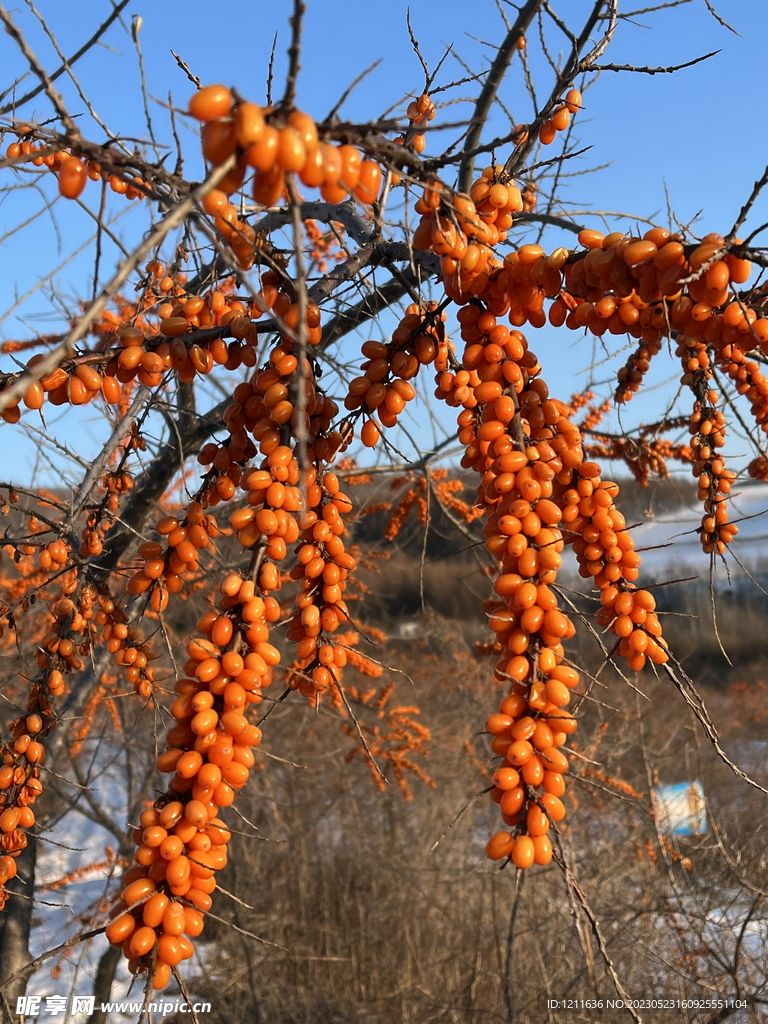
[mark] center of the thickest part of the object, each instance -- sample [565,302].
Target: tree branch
[488,93]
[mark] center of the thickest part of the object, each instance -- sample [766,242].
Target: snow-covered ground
[671,541]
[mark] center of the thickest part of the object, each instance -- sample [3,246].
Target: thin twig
[653,71]
[294,52]
[115,14]
[42,74]
[33,965]
[185,68]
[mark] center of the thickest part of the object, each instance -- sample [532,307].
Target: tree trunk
[15,923]
[16,919]
[102,986]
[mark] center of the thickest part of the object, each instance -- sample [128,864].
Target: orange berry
[573,100]
[72,177]
[263,152]
[218,141]
[249,123]
[291,152]
[523,852]
[210,102]
[542,850]
[369,182]
[499,846]
[370,434]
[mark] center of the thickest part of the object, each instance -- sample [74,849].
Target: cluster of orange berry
[707,426]
[148,923]
[561,117]
[164,568]
[645,287]
[182,843]
[92,618]
[419,112]
[264,408]
[748,381]
[758,468]
[22,756]
[209,747]
[71,170]
[53,556]
[114,483]
[274,146]
[520,469]
[20,782]
[147,352]
[126,646]
[60,387]
[268,408]
[57,645]
[605,552]
[322,568]
[93,532]
[657,283]
[384,387]
[538,493]
[462,229]
[631,375]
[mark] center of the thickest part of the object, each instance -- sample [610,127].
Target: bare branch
[294,52]
[492,82]
[117,9]
[653,71]
[42,74]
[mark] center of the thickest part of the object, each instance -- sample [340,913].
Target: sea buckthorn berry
[573,100]
[368,183]
[210,102]
[249,123]
[542,850]
[523,852]
[500,845]
[121,929]
[639,252]
[72,177]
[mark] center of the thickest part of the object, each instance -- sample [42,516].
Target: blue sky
[691,140]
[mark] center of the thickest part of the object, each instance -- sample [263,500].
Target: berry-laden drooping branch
[267,455]
[538,493]
[181,842]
